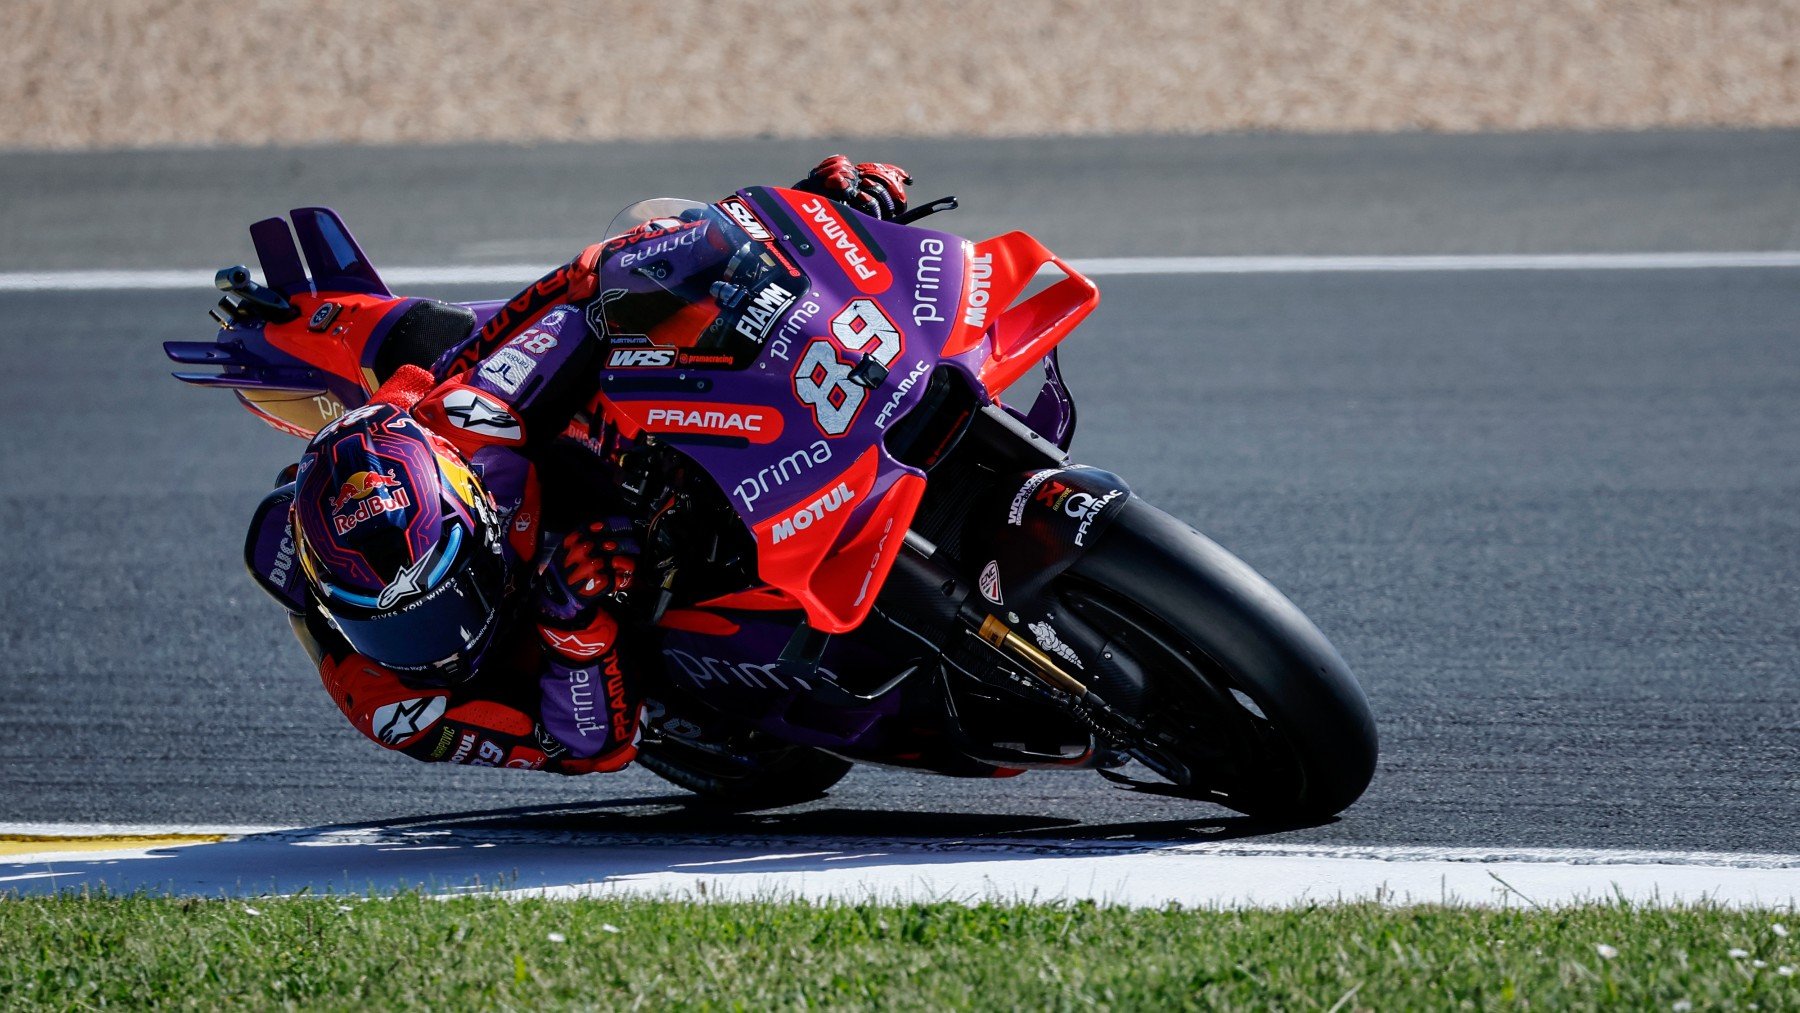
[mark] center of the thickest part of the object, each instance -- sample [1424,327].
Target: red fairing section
[826,221]
[341,349]
[798,550]
[756,599]
[755,423]
[999,270]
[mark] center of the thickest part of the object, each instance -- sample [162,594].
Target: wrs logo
[869,274]
[640,358]
[811,513]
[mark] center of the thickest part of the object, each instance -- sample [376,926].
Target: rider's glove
[597,561]
[876,189]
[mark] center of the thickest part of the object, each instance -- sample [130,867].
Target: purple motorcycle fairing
[752,474]
[797,437]
[809,710]
[920,288]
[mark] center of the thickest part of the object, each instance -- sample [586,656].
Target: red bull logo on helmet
[363,495]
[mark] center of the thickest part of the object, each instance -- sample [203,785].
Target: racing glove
[598,561]
[877,189]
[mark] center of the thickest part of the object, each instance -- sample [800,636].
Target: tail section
[302,350]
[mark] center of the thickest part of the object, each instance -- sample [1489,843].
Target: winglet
[337,263]
[281,266]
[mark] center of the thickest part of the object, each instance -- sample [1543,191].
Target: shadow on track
[662,845]
[683,815]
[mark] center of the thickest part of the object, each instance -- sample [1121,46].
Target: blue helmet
[400,544]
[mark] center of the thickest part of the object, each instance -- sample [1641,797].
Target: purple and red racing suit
[552,692]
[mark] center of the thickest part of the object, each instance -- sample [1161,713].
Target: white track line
[446,857]
[520,274]
[1447,262]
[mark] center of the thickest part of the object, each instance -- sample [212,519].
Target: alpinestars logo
[811,513]
[395,723]
[990,582]
[468,410]
[1049,641]
[578,644]
[404,585]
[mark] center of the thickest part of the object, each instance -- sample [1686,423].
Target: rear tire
[1244,691]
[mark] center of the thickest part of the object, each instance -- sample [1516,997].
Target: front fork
[981,645]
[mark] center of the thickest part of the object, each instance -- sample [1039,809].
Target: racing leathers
[551,692]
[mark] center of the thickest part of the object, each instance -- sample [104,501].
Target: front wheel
[1247,704]
[764,779]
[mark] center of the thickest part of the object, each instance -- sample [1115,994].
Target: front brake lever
[941,204]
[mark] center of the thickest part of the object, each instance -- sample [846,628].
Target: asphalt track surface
[1550,517]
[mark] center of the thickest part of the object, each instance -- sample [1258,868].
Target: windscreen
[679,274]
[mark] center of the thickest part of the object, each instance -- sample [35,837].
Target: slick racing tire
[1248,705]
[769,780]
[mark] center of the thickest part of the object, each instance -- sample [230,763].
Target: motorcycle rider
[461,590]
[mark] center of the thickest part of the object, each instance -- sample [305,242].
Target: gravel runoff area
[119,73]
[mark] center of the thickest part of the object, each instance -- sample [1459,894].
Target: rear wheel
[1247,704]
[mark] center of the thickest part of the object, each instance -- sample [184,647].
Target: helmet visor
[430,619]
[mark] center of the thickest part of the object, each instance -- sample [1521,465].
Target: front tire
[1245,695]
[769,780]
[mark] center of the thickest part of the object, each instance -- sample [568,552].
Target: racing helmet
[400,545]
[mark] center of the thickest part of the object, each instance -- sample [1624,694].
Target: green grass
[70,952]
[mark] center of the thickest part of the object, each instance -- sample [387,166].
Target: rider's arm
[571,284]
[589,703]
[542,376]
[462,725]
[538,353]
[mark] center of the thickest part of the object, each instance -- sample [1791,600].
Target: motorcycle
[856,550]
